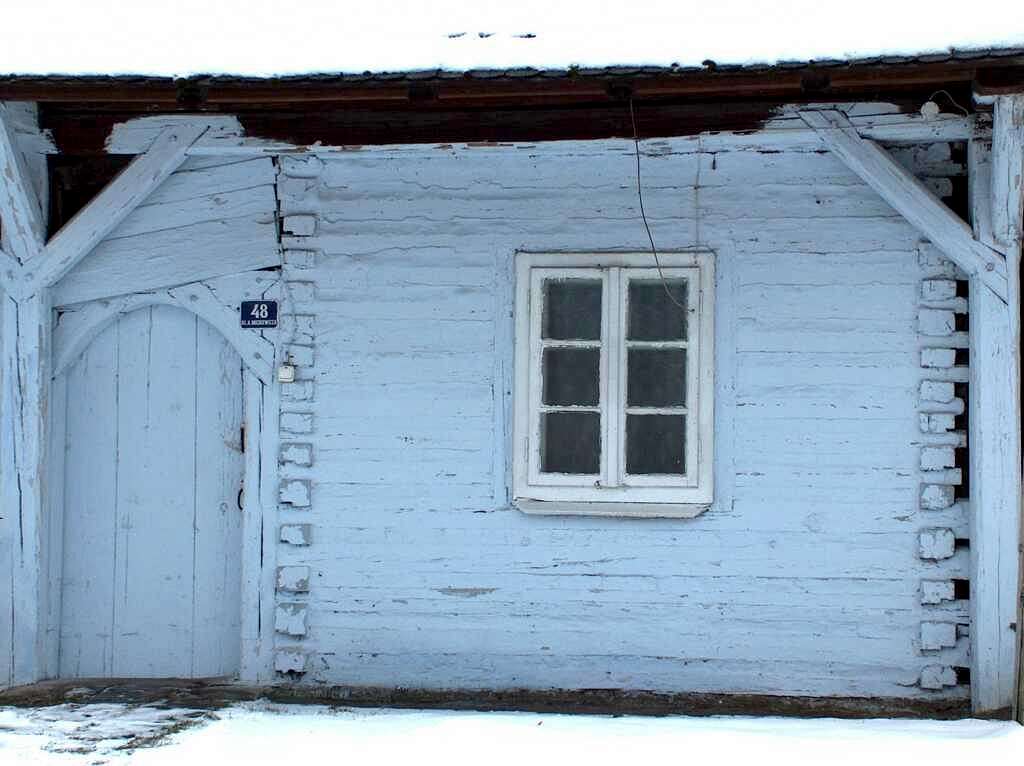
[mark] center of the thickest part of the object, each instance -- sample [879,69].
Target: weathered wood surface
[149,576]
[229,200]
[20,204]
[995,417]
[911,198]
[77,326]
[784,130]
[115,202]
[805,575]
[205,221]
[995,493]
[1007,192]
[24,350]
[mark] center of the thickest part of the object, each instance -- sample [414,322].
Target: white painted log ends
[297,176]
[943,518]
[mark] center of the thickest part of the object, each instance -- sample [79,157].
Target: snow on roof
[260,38]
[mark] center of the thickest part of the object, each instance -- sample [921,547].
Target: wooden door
[152,470]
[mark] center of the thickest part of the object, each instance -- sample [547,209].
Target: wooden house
[673,383]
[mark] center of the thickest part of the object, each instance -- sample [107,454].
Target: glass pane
[656,444]
[571,442]
[656,377]
[652,314]
[572,309]
[572,376]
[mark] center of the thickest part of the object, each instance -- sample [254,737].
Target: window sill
[620,510]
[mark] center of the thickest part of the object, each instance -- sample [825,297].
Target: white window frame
[613,492]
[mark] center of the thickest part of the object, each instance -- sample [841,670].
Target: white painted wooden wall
[146,473]
[805,577]
[820,570]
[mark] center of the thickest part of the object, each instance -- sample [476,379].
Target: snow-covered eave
[988,70]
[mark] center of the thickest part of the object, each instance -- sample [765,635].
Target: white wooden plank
[910,197]
[212,177]
[8,484]
[168,258]
[156,493]
[1008,169]
[29,407]
[995,499]
[979,152]
[219,207]
[216,590]
[877,121]
[23,225]
[53,548]
[265,526]
[256,574]
[995,445]
[81,234]
[35,144]
[8,496]
[89,515]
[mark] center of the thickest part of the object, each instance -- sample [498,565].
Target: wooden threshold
[219,692]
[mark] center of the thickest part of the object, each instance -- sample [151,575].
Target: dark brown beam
[508,89]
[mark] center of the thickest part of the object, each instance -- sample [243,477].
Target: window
[614,384]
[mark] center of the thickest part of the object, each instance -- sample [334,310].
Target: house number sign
[259,314]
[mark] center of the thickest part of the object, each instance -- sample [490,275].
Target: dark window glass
[572,309]
[572,376]
[571,442]
[655,444]
[656,377]
[652,314]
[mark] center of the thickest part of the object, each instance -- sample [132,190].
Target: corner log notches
[990,256]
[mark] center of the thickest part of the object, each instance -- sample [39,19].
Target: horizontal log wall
[411,569]
[214,216]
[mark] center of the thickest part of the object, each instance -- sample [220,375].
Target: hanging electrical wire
[643,213]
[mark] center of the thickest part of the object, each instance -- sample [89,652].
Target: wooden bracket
[908,196]
[77,328]
[112,205]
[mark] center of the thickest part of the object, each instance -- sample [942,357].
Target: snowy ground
[265,733]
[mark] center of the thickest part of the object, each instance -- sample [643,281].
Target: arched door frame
[73,332]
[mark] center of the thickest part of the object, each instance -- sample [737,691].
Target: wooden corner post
[996,170]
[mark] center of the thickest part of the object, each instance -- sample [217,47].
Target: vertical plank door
[150,582]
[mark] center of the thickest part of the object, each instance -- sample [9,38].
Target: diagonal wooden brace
[910,198]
